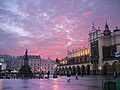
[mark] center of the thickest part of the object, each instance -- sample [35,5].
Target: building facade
[34,62]
[37,64]
[98,58]
[11,62]
[103,45]
[2,64]
[76,62]
[47,65]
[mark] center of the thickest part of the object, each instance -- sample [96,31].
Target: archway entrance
[73,70]
[66,70]
[106,68]
[116,66]
[78,70]
[70,70]
[83,70]
[95,69]
[88,69]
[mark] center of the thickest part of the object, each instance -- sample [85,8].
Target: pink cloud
[86,13]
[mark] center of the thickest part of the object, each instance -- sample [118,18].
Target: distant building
[34,62]
[47,65]
[2,64]
[11,62]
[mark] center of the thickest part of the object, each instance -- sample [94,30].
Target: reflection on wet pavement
[51,84]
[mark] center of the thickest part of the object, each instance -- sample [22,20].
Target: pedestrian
[115,74]
[76,76]
[48,74]
[68,75]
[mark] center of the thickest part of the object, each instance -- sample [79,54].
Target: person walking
[68,75]
[76,76]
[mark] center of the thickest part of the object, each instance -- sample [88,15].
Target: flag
[117,54]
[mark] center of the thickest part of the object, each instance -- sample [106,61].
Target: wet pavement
[60,83]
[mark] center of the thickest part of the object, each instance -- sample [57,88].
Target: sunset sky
[51,27]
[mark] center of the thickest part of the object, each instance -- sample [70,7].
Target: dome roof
[2,60]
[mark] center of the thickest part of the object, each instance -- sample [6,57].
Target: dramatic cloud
[51,27]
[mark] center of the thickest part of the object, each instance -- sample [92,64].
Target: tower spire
[106,26]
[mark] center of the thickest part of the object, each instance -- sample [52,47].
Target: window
[51,67]
[112,52]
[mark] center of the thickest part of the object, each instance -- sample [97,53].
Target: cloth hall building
[101,57]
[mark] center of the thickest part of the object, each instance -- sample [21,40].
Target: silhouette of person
[76,76]
[48,73]
[68,75]
[115,74]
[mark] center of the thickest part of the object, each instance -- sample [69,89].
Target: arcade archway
[116,66]
[73,70]
[106,68]
[88,69]
[95,69]
[70,70]
[83,70]
[78,70]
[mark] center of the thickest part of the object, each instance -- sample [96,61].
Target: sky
[50,28]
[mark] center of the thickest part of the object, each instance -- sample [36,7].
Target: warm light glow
[55,86]
[78,53]
[99,67]
[55,65]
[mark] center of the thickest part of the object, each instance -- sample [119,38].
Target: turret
[107,32]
